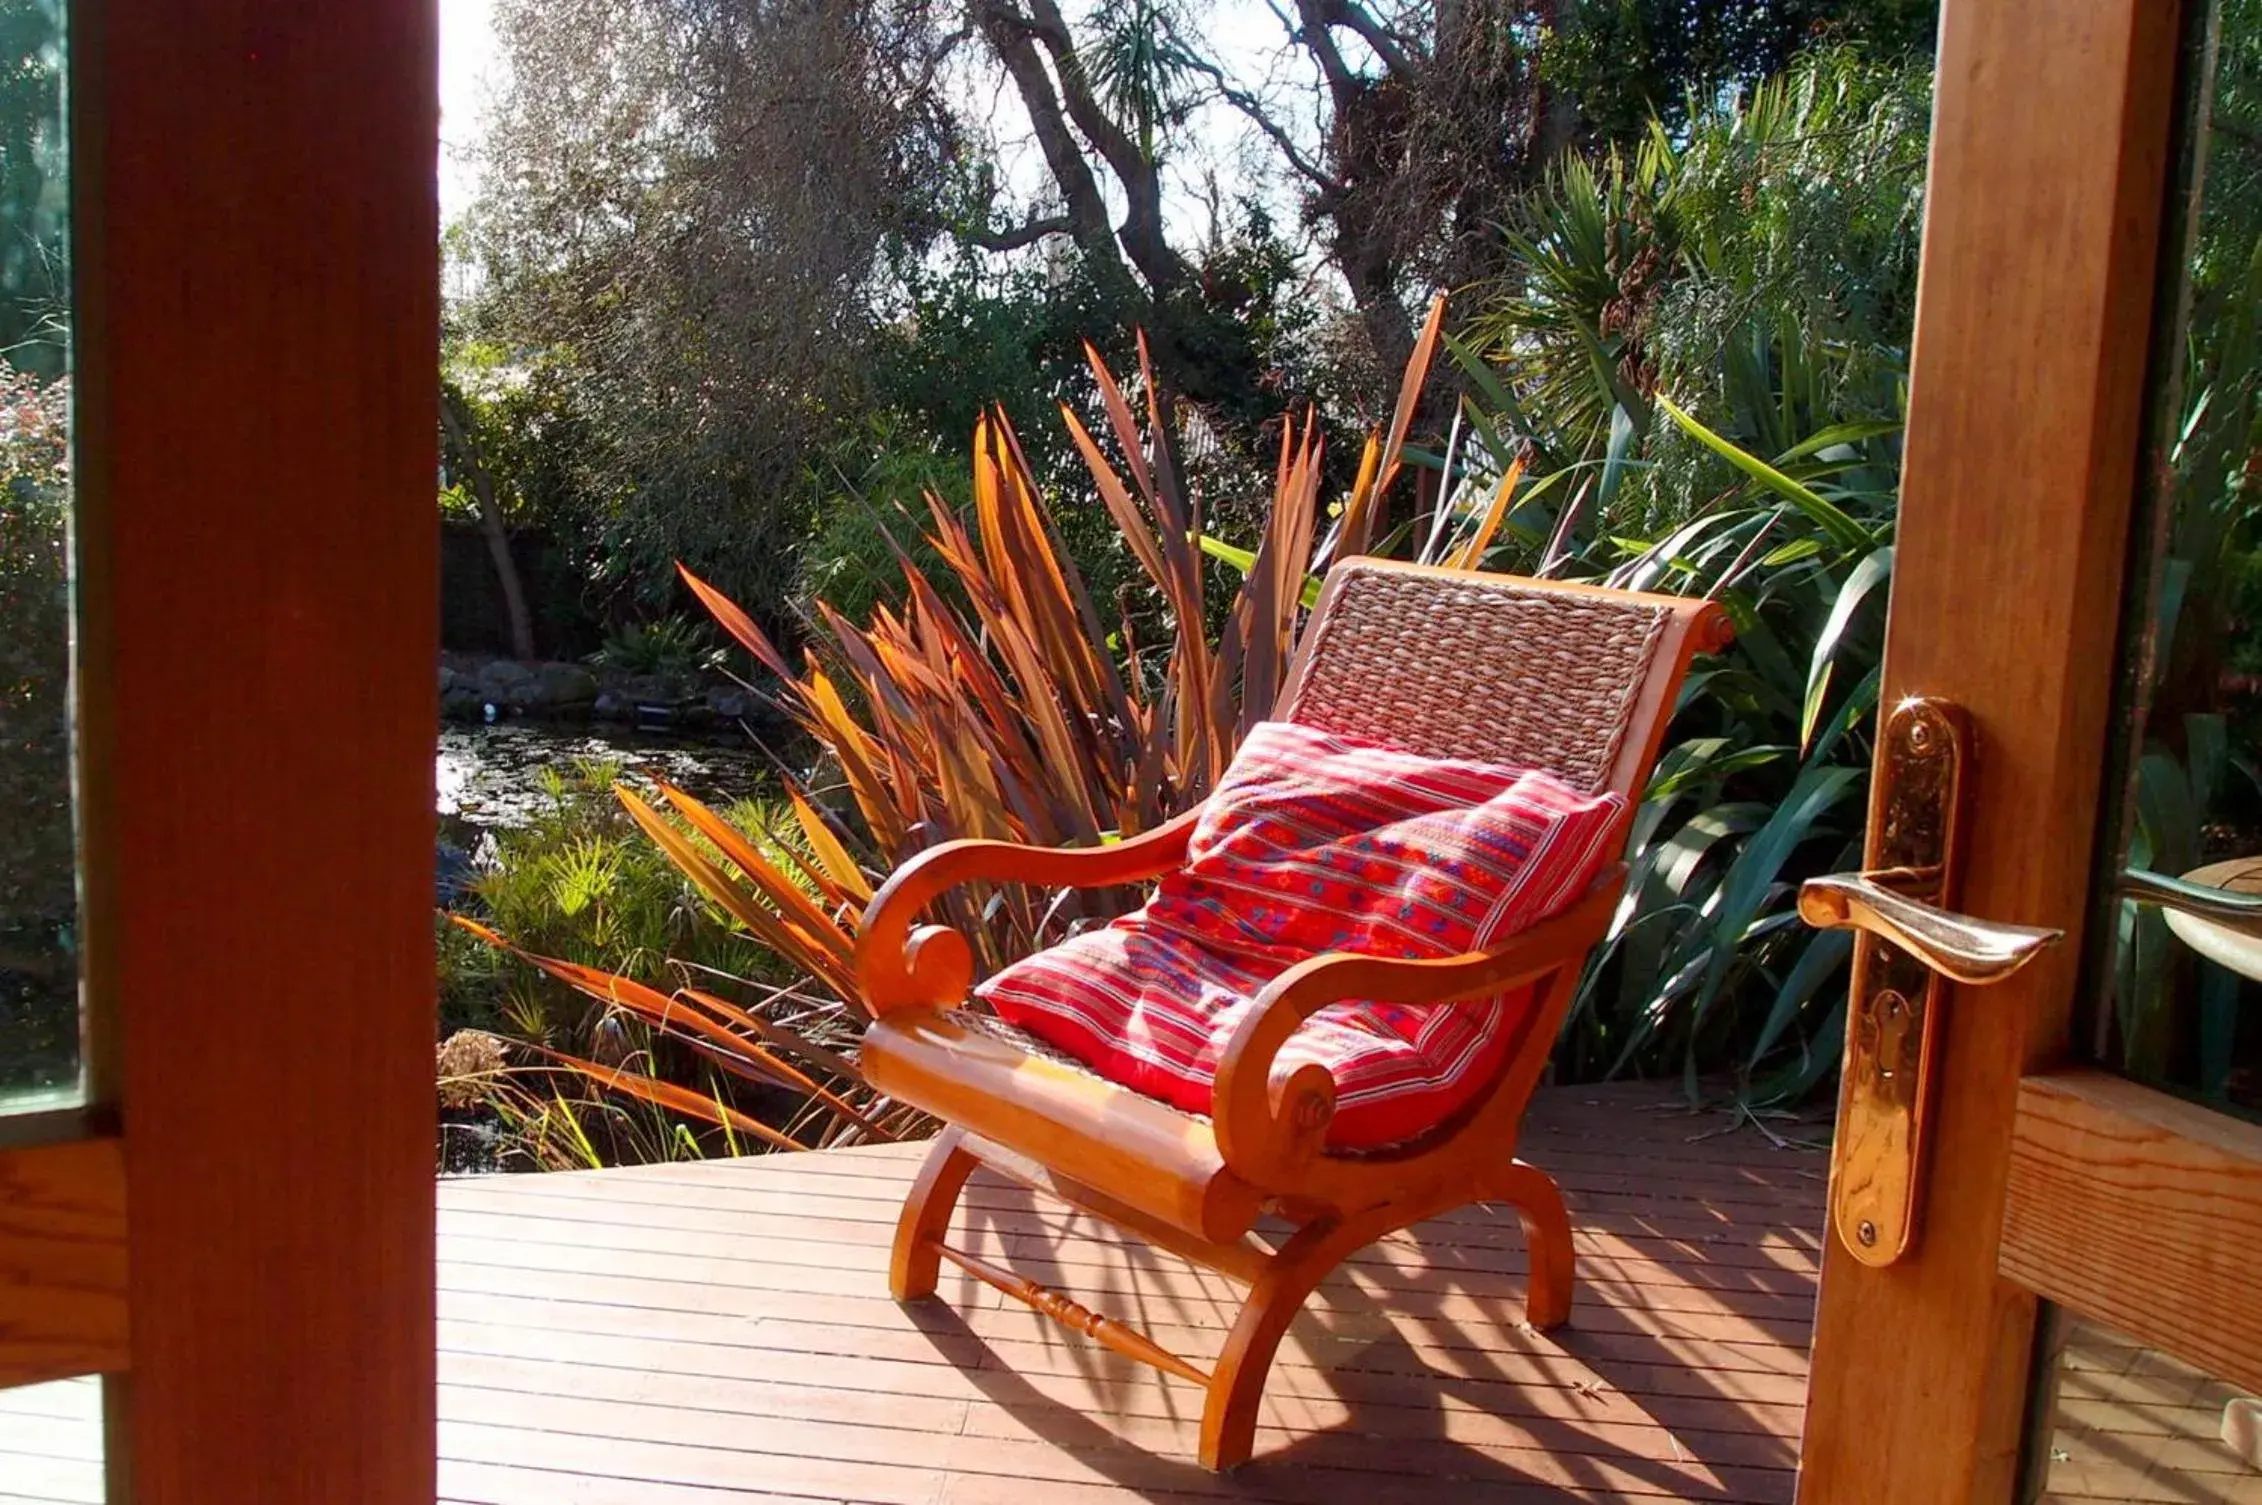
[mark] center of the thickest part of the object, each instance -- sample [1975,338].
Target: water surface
[489,776]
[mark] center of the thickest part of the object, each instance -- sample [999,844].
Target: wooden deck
[720,1334]
[2134,1426]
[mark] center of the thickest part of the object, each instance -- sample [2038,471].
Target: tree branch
[1111,141]
[1387,45]
[1254,110]
[1342,83]
[1019,236]
[1010,33]
[1141,233]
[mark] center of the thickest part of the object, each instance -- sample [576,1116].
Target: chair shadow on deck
[1403,1353]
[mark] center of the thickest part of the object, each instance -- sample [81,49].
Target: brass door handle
[1909,944]
[2229,908]
[1972,952]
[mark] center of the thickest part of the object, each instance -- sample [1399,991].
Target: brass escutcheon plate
[1915,846]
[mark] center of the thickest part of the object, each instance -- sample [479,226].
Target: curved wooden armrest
[897,966]
[1267,1132]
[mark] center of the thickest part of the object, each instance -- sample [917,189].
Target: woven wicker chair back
[1486,667]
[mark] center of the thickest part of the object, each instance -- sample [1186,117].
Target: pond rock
[656,689]
[570,691]
[730,704]
[462,701]
[561,685]
[508,685]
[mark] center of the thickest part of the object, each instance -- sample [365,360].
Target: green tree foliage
[1413,126]
[685,208]
[518,450]
[1759,265]
[735,235]
[982,330]
[877,483]
[1626,62]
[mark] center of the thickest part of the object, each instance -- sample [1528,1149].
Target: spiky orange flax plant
[996,710]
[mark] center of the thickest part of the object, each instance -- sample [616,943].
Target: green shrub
[580,882]
[872,511]
[673,645]
[1759,266]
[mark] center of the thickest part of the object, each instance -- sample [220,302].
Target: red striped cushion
[1315,842]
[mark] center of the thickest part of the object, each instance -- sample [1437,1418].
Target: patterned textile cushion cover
[1316,842]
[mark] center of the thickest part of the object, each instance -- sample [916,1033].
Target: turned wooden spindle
[1075,1316]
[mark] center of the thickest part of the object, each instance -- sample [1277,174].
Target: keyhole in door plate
[1894,1018]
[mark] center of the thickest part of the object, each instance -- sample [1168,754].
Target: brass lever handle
[1957,946]
[1908,946]
[2229,908]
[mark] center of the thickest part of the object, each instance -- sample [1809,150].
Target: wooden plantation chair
[1576,680]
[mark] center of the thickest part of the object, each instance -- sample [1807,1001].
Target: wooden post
[2049,155]
[257,325]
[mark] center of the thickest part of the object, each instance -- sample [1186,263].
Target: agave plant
[996,701]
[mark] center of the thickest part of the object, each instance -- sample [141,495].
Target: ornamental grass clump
[995,701]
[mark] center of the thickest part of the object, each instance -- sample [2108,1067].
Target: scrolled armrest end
[1303,1106]
[939,964]
[1270,1125]
[1269,1128]
[932,967]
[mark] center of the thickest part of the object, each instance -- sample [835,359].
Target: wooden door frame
[2048,171]
[241,1231]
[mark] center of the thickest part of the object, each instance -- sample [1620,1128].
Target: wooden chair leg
[1237,1385]
[1547,1240]
[916,1265]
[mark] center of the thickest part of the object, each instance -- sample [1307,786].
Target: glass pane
[2176,996]
[2123,1422]
[51,1443]
[2175,966]
[39,1008]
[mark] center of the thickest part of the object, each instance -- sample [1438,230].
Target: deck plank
[720,1334]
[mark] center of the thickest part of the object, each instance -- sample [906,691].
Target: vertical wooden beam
[2049,151]
[256,223]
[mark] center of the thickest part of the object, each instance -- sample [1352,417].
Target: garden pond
[487,776]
